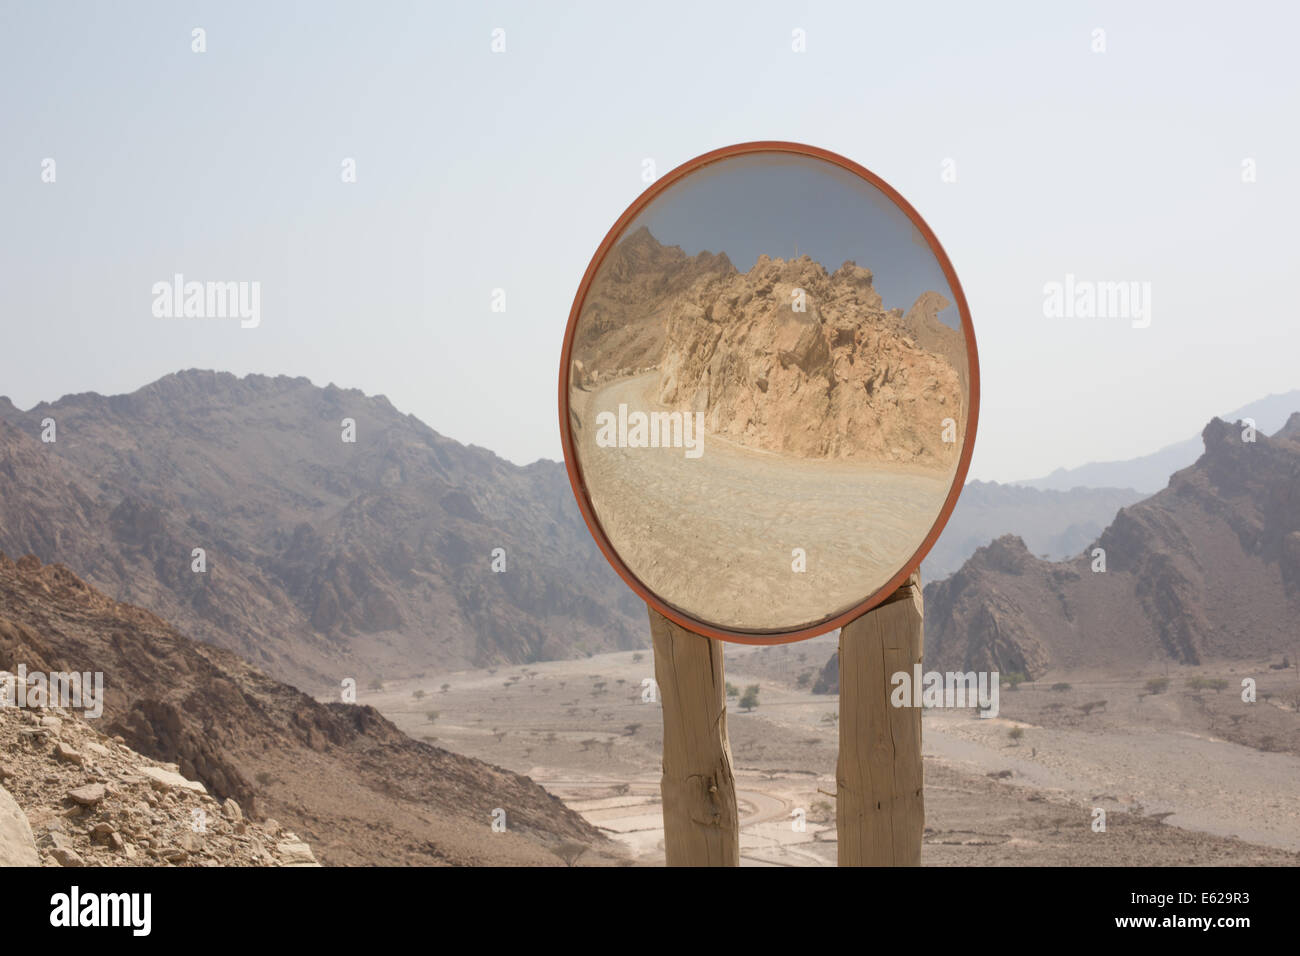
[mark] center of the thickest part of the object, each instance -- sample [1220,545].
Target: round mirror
[768,392]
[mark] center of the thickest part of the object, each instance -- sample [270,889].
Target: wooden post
[701,823]
[880,807]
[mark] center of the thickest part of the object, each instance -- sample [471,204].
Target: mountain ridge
[1056,524]
[1209,568]
[324,558]
[1149,473]
[354,786]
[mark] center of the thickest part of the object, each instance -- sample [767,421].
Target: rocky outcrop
[17,844]
[1207,569]
[1291,430]
[621,328]
[785,357]
[93,801]
[828,681]
[346,781]
[839,379]
[922,323]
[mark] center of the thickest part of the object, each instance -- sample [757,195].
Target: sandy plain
[1176,789]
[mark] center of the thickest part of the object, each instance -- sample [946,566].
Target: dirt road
[715,535]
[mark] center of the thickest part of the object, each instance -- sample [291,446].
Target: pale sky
[770,203]
[479,170]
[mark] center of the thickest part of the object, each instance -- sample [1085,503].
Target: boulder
[295,853]
[67,857]
[89,795]
[17,845]
[166,781]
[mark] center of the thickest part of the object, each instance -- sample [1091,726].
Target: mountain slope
[357,789]
[786,357]
[1055,524]
[840,379]
[142,813]
[1150,473]
[1208,568]
[325,559]
[628,304]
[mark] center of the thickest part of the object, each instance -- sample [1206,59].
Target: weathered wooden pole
[701,823]
[880,807]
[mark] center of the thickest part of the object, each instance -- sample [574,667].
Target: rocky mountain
[1150,473]
[931,334]
[626,310]
[839,380]
[322,558]
[82,798]
[355,788]
[785,357]
[1207,569]
[1053,524]
[828,679]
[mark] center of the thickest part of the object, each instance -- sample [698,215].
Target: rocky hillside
[1053,524]
[324,558]
[1207,569]
[839,380]
[81,798]
[922,324]
[340,775]
[621,329]
[843,378]
[828,680]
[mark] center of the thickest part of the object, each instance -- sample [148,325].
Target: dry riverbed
[1173,792]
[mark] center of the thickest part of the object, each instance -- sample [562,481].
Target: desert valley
[525,691]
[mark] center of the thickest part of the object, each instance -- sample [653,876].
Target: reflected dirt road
[714,535]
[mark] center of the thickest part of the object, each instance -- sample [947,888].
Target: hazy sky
[479,170]
[747,206]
